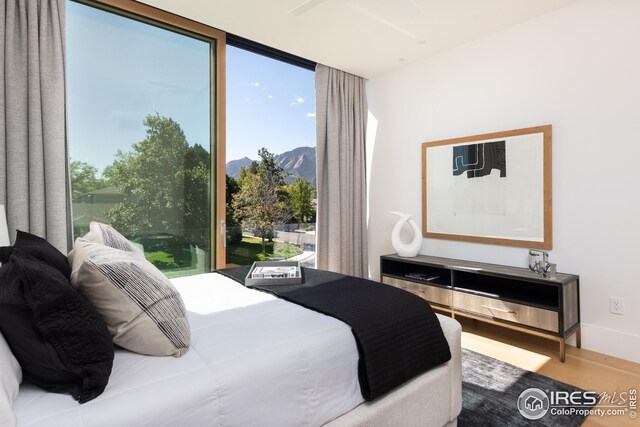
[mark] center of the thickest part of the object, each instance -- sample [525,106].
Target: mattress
[254,360]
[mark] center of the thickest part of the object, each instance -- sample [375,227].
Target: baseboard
[611,342]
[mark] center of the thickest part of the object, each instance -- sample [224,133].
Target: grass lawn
[160,259]
[250,250]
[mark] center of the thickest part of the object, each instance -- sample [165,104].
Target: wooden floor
[583,368]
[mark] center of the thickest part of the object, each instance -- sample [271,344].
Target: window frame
[271,53]
[218,41]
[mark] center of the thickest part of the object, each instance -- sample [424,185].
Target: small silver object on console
[539,263]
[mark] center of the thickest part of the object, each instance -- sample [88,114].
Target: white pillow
[140,306]
[4,230]
[10,379]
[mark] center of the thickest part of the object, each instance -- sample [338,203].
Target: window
[271,158]
[141,110]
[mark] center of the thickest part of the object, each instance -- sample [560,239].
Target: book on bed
[274,272]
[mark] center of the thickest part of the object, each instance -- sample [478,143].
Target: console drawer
[430,293]
[517,313]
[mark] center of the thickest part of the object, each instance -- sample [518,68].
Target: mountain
[233,167]
[297,163]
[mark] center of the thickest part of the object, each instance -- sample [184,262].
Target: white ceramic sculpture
[403,249]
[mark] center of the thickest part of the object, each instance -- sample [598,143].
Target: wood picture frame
[492,188]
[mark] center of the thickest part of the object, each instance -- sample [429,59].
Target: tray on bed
[271,272]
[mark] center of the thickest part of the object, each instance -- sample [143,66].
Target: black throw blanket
[397,333]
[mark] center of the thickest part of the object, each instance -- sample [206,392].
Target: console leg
[562,350]
[578,338]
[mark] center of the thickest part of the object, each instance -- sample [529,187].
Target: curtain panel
[34,183]
[341,124]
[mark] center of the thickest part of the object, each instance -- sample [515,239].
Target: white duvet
[254,360]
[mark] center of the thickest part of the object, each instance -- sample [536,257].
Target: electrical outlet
[615,305]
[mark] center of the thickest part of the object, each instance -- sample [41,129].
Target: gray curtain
[34,183]
[341,123]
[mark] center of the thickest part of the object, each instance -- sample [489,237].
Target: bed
[254,359]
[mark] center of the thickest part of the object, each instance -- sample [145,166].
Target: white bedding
[254,360]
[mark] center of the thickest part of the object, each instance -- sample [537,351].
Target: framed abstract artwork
[493,188]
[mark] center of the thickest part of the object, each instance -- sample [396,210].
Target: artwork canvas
[491,188]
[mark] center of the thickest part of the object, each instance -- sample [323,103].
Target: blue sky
[120,70]
[269,103]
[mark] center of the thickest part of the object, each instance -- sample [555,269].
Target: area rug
[490,392]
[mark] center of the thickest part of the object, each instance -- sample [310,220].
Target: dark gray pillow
[59,340]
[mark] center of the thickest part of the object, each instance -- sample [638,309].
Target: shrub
[234,235]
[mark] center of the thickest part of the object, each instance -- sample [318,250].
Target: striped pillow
[142,309]
[109,236]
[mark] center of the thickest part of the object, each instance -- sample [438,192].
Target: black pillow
[60,341]
[44,251]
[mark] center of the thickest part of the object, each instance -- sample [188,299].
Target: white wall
[577,69]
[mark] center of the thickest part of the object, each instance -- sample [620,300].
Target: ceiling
[363,37]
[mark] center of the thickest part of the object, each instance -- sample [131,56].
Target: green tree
[197,195]
[262,201]
[84,179]
[301,195]
[164,183]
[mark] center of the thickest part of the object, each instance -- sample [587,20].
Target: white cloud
[297,100]
[256,84]
[269,96]
[311,115]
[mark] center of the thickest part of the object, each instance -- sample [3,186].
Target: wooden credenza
[513,297]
